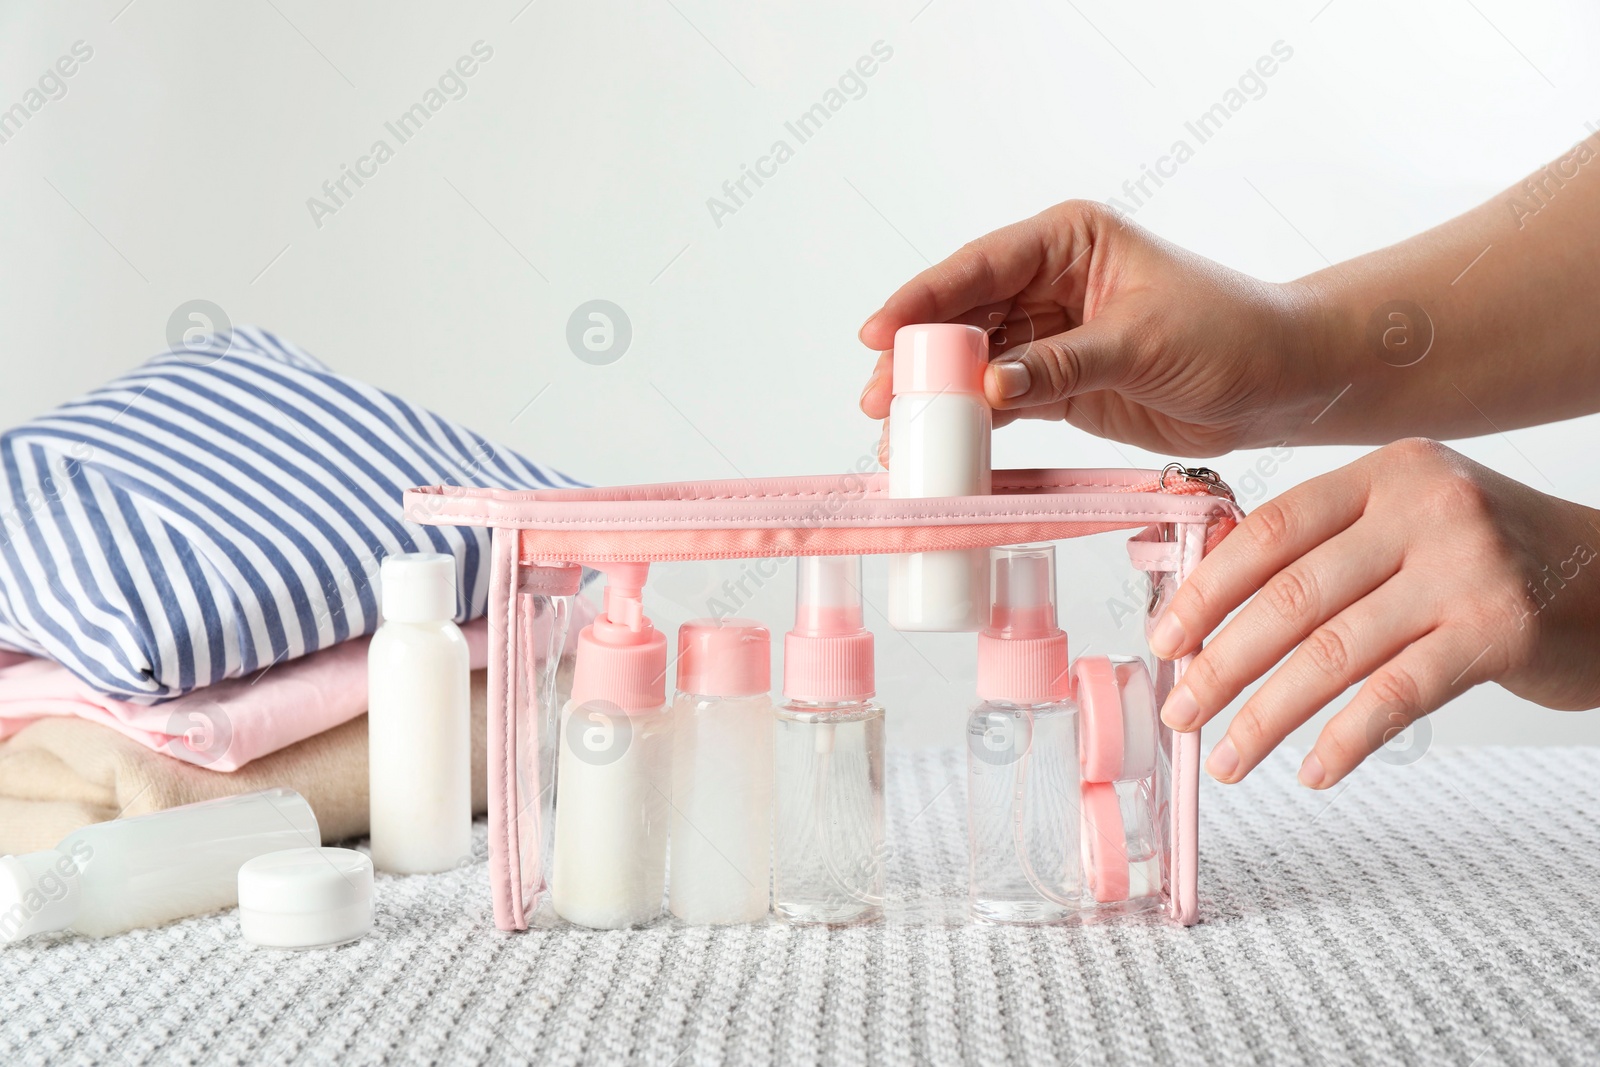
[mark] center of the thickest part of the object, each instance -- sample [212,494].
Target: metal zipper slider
[1205,475]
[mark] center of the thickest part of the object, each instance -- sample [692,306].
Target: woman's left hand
[1414,568]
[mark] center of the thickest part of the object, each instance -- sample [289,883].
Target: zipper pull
[1204,475]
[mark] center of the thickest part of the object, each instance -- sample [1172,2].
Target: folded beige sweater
[59,774]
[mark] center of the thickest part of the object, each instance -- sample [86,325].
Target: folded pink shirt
[223,726]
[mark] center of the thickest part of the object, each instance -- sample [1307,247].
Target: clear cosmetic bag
[542,538]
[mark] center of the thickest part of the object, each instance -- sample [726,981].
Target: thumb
[1051,369]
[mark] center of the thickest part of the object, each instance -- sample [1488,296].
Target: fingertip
[873,330]
[1169,635]
[1181,711]
[1223,764]
[1312,775]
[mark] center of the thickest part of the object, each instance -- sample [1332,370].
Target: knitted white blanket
[1441,912]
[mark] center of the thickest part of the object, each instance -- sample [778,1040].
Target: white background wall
[179,162]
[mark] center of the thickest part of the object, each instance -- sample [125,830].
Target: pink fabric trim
[1184,903]
[505,857]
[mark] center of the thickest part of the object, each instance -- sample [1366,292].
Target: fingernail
[1013,379]
[1167,637]
[1224,761]
[870,383]
[1181,709]
[1311,772]
[870,317]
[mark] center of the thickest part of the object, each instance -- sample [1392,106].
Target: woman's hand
[1413,565]
[1097,322]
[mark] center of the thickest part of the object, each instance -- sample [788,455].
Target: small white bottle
[614,767]
[1022,758]
[419,726]
[939,429]
[722,773]
[828,847]
[150,869]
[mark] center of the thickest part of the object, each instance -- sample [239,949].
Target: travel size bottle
[722,773]
[828,854]
[939,428]
[1022,758]
[614,766]
[150,869]
[419,724]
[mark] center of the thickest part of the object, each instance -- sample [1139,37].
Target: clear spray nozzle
[828,596]
[1022,591]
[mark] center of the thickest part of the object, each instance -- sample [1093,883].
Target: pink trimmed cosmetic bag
[541,538]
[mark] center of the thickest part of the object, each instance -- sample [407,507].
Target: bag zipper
[1203,475]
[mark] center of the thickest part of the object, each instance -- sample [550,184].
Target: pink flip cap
[724,657]
[940,357]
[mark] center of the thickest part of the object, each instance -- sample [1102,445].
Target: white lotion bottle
[614,767]
[722,735]
[150,869]
[419,726]
[939,429]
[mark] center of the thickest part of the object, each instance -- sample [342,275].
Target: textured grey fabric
[1437,912]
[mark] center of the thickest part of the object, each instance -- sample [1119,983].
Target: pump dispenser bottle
[722,773]
[613,768]
[939,427]
[1022,758]
[827,863]
[149,869]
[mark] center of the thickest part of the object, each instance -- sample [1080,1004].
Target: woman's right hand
[1097,322]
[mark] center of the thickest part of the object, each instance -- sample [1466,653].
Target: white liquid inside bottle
[722,736]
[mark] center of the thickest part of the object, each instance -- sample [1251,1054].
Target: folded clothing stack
[189,556]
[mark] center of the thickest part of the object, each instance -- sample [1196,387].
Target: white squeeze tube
[419,726]
[614,767]
[150,869]
[939,428]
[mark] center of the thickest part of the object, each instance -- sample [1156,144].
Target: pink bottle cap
[622,658]
[827,657]
[724,657]
[1022,654]
[940,357]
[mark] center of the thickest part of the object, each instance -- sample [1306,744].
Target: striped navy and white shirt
[221,509]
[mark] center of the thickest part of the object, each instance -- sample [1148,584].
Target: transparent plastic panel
[911,808]
[539,675]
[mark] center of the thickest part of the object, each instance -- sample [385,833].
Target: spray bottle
[1022,751]
[828,850]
